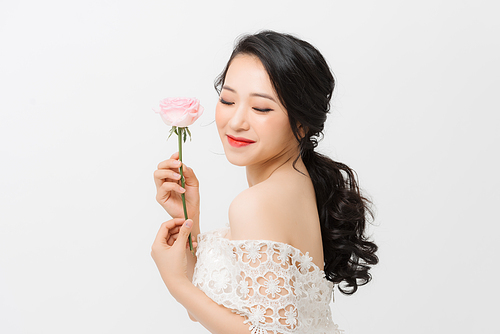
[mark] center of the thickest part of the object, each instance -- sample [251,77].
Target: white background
[415,113]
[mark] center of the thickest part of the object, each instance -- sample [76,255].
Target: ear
[301,129]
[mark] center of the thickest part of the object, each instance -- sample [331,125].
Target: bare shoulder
[253,214]
[271,210]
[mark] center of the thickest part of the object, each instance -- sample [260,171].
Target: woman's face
[252,123]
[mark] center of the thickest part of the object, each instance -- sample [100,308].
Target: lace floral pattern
[276,287]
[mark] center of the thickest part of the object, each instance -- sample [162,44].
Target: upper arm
[267,292]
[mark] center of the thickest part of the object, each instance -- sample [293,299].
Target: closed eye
[226,102]
[263,110]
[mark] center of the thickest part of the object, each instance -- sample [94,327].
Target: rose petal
[180,112]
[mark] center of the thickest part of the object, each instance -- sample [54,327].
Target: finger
[189,176]
[163,232]
[174,224]
[165,175]
[169,164]
[173,162]
[173,235]
[182,236]
[171,241]
[175,230]
[171,186]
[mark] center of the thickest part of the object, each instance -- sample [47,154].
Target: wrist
[178,287]
[196,223]
[195,216]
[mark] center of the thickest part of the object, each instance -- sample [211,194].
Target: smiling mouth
[238,141]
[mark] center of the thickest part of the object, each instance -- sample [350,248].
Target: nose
[239,120]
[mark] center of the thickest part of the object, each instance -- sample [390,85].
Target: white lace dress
[276,287]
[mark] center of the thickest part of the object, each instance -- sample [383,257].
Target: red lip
[239,141]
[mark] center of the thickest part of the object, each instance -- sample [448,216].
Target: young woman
[300,226]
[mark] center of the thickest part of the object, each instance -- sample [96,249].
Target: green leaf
[189,133]
[172,130]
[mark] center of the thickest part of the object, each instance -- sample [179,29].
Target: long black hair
[304,84]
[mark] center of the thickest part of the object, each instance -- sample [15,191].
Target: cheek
[220,120]
[280,128]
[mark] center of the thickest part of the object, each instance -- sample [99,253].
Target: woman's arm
[171,253]
[214,317]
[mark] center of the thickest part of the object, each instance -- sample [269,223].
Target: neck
[260,172]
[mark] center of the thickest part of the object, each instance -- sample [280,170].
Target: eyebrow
[252,94]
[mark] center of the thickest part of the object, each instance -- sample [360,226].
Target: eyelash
[225,102]
[231,103]
[263,110]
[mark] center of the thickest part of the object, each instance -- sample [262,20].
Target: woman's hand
[169,250]
[169,189]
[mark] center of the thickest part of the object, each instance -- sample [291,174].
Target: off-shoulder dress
[276,287]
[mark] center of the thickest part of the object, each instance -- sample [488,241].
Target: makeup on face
[239,141]
[253,126]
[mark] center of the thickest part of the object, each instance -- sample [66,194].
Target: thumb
[184,232]
[189,176]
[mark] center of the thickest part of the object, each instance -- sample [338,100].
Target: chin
[237,161]
[234,157]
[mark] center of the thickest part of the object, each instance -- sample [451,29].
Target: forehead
[247,72]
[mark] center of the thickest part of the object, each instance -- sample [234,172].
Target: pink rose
[180,112]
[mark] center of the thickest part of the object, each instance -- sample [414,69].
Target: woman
[300,226]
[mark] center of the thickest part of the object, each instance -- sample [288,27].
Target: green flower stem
[179,136]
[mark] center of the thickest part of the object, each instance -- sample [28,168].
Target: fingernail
[188,223]
[182,190]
